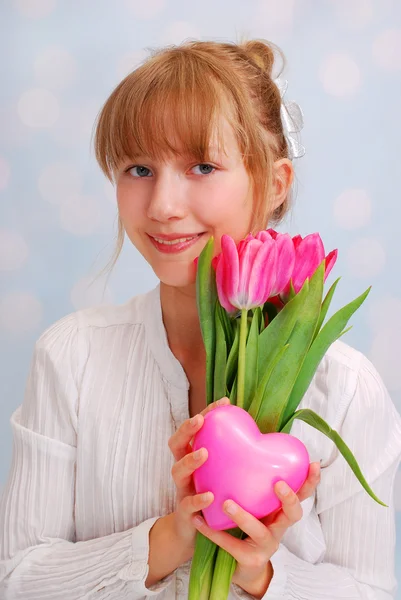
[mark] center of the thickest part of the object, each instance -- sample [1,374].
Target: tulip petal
[263,276]
[227,273]
[309,253]
[263,236]
[285,262]
[330,262]
[273,233]
[246,260]
[220,283]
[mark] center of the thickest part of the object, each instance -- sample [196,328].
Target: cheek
[130,208]
[226,203]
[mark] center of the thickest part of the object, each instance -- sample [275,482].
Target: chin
[176,275]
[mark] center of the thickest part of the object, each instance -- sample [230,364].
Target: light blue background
[58,222]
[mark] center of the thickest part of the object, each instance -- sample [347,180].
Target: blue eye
[207,166]
[141,170]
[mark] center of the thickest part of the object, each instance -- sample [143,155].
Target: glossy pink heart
[243,464]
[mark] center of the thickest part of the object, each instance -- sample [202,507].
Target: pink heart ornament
[243,464]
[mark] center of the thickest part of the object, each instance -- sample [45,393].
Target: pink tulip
[285,258]
[309,253]
[245,273]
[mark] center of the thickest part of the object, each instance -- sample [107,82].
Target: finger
[222,402]
[313,479]
[193,504]
[249,524]
[183,469]
[179,441]
[291,511]
[226,541]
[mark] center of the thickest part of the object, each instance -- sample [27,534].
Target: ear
[283,178]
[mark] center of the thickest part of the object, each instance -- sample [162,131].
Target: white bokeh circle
[276,17]
[12,131]
[145,10]
[366,257]
[178,31]
[20,312]
[38,108]
[76,124]
[80,214]
[384,312]
[35,9]
[340,75]
[58,181]
[129,62]
[55,68]
[386,50]
[352,209]
[14,250]
[89,292]
[384,318]
[385,355]
[5,172]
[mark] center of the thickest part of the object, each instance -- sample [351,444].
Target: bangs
[166,107]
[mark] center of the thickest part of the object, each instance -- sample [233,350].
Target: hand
[254,570]
[188,502]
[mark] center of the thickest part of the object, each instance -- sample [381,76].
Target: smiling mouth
[176,241]
[178,244]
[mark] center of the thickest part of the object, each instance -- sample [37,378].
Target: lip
[173,236]
[175,248]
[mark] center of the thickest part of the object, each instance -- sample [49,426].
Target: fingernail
[317,469]
[222,401]
[206,496]
[198,521]
[230,507]
[198,454]
[282,488]
[194,420]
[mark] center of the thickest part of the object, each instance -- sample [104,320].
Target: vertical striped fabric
[91,469]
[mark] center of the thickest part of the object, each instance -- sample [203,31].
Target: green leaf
[326,306]
[285,374]
[251,359]
[233,392]
[259,396]
[224,570]
[220,360]
[202,568]
[328,334]
[278,332]
[232,361]
[228,325]
[206,297]
[313,419]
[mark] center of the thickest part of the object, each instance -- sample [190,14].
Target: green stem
[241,357]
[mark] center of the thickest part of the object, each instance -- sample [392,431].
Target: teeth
[171,242]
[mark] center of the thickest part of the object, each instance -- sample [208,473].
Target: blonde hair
[187,87]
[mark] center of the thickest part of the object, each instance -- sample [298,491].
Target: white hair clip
[292,120]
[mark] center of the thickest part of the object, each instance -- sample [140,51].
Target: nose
[166,202]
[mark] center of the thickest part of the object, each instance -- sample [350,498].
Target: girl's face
[171,209]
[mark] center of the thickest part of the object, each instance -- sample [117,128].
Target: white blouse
[91,469]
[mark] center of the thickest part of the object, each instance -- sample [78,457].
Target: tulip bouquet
[262,313]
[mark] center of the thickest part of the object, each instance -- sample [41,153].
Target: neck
[181,321]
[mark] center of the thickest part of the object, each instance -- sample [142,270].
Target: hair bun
[262,53]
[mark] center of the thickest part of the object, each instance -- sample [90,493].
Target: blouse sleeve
[359,533]
[39,558]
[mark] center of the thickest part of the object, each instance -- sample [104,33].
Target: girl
[99,502]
